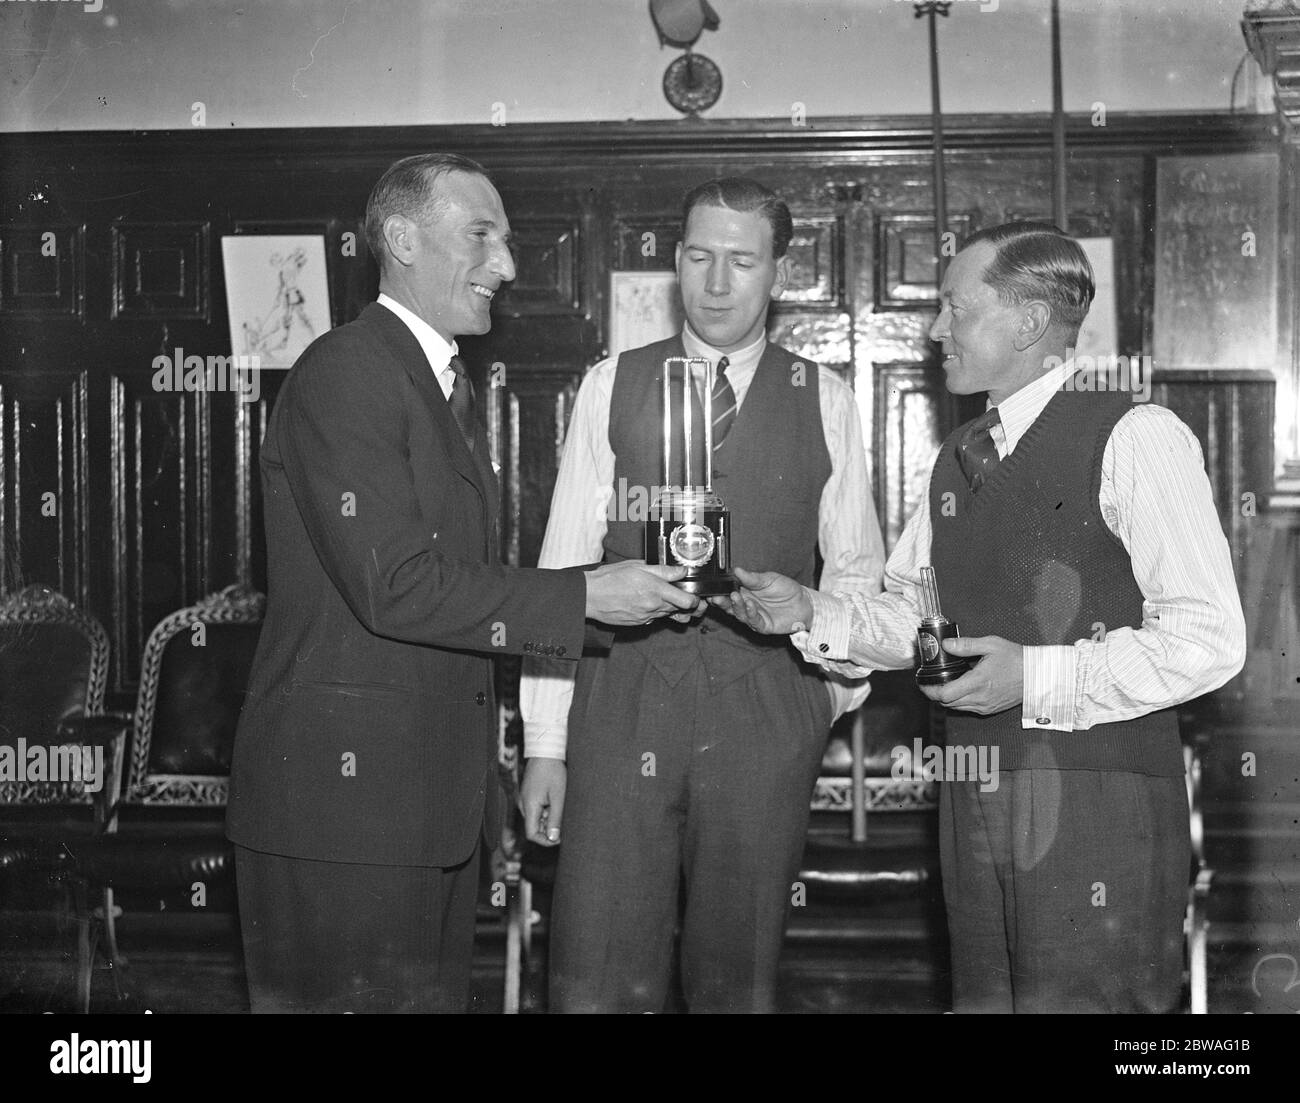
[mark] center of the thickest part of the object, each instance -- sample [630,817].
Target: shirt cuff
[545,740]
[828,639]
[1049,674]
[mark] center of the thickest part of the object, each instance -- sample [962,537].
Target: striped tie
[724,404]
[461,401]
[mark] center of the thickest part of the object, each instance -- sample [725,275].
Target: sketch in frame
[643,307]
[277,294]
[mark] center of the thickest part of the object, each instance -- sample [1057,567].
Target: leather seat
[167,830]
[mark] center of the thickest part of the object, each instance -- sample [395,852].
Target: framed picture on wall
[643,307]
[277,295]
[1098,335]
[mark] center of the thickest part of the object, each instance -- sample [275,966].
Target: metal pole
[936,117]
[1058,124]
[934,9]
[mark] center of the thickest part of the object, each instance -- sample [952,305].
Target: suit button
[528,646]
[480,698]
[559,651]
[704,629]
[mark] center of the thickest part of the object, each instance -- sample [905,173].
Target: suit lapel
[406,349]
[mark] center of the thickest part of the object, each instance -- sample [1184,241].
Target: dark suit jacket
[370,730]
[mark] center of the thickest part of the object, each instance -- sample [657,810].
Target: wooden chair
[166,831]
[53,670]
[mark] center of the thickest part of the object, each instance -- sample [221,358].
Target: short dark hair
[407,188]
[1036,260]
[739,193]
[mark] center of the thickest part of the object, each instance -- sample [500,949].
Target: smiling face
[728,275]
[454,262]
[978,333]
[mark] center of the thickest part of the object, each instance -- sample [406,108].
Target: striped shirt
[1155,497]
[848,532]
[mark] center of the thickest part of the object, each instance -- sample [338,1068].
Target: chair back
[53,666]
[193,678]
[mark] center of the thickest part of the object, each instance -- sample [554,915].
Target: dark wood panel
[43,489]
[172,493]
[42,271]
[161,270]
[161,510]
[534,407]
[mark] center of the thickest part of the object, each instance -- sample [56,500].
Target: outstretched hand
[768,602]
[631,593]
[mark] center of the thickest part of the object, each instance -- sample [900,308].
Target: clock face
[692,83]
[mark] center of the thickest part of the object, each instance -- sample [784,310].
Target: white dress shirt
[848,533]
[437,350]
[1156,498]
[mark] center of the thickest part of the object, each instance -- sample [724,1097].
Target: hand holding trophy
[937,667]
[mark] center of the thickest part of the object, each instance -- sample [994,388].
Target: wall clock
[692,83]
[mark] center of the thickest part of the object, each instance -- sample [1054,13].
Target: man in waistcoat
[1075,541]
[689,754]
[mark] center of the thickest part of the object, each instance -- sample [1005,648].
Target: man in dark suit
[363,779]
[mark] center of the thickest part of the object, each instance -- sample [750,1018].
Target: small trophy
[937,666]
[688,525]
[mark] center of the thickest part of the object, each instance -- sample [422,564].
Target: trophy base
[692,529]
[716,586]
[941,675]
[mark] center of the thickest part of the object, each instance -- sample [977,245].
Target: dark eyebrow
[729,252]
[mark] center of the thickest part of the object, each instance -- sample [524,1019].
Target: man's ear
[400,237]
[782,276]
[1035,321]
[677,259]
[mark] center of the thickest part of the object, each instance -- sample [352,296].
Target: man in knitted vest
[691,753]
[1075,542]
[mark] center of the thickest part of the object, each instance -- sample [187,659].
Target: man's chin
[953,380]
[719,337]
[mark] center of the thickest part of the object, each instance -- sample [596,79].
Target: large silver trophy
[688,525]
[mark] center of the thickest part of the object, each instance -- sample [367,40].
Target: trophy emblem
[937,666]
[688,525]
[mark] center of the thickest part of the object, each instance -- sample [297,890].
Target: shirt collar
[437,350]
[741,364]
[1020,410]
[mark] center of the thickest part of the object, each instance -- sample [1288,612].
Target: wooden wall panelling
[908,401]
[44,522]
[161,270]
[161,510]
[43,271]
[1231,413]
[533,408]
[595,189]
